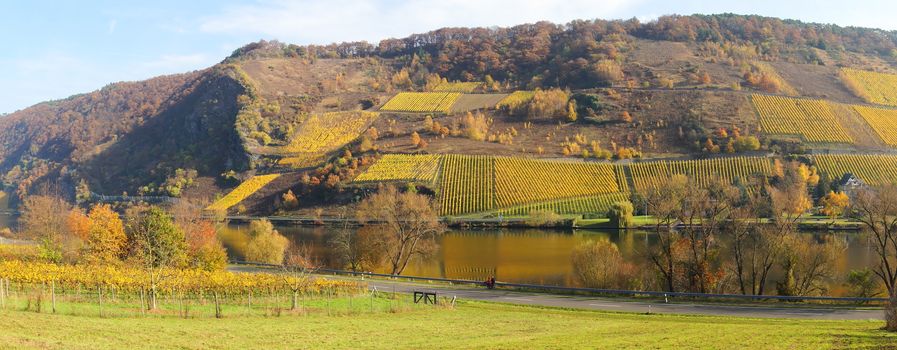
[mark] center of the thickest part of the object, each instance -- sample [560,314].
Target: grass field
[470,325]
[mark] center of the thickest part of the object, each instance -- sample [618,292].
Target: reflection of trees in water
[528,255]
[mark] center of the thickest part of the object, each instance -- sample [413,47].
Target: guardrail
[621,292]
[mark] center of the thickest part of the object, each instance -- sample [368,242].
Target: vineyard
[323,133]
[873,87]
[592,204]
[402,167]
[883,121]
[246,189]
[467,184]
[646,176]
[521,180]
[465,87]
[872,169]
[813,120]
[470,102]
[516,98]
[421,102]
[177,280]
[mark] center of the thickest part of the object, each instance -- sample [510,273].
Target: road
[779,310]
[627,305]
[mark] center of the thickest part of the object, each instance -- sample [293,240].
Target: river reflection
[523,255]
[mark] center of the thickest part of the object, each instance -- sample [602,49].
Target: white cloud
[112,24]
[323,21]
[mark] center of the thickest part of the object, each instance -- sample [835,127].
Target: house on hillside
[850,184]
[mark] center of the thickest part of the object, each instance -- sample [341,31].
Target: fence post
[100,299]
[217,306]
[142,301]
[2,294]
[53,295]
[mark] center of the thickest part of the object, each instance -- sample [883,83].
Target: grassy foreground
[469,325]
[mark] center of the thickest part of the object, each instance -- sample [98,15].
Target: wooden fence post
[53,295]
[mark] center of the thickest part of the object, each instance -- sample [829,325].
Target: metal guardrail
[622,292]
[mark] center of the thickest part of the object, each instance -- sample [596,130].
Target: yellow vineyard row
[873,87]
[466,87]
[401,167]
[648,175]
[872,169]
[246,189]
[813,120]
[422,102]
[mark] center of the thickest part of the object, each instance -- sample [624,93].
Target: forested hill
[676,87]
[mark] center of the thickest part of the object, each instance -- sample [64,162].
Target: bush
[746,143]
[620,215]
[542,217]
[266,245]
[599,264]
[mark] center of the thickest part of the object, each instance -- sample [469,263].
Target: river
[538,256]
[535,256]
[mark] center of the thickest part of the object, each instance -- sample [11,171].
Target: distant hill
[680,87]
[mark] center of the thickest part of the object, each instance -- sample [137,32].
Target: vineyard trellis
[421,102]
[465,87]
[522,180]
[872,169]
[591,204]
[814,120]
[243,191]
[883,122]
[402,167]
[467,184]
[648,175]
[873,87]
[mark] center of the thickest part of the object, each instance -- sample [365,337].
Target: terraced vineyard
[592,204]
[883,121]
[516,98]
[873,87]
[467,184]
[470,102]
[521,180]
[649,174]
[421,102]
[402,167]
[813,120]
[321,134]
[246,189]
[872,169]
[465,87]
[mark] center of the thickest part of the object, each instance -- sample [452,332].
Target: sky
[55,49]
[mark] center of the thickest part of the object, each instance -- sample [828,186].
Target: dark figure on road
[490,283]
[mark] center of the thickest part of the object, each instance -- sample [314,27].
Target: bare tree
[44,220]
[664,202]
[876,208]
[705,209]
[408,223]
[298,267]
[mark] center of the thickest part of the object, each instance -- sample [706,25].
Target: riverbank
[469,325]
[566,222]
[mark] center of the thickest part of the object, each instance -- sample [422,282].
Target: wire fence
[105,301]
[608,292]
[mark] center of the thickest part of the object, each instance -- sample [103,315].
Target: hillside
[632,101]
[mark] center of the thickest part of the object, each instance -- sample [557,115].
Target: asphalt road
[627,305]
[800,311]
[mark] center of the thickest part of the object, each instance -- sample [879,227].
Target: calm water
[522,255]
[514,255]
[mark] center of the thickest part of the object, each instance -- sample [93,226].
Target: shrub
[542,217]
[599,264]
[266,245]
[620,215]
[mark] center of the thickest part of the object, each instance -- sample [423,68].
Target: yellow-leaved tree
[833,204]
[106,239]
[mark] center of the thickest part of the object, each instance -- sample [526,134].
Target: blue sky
[54,49]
